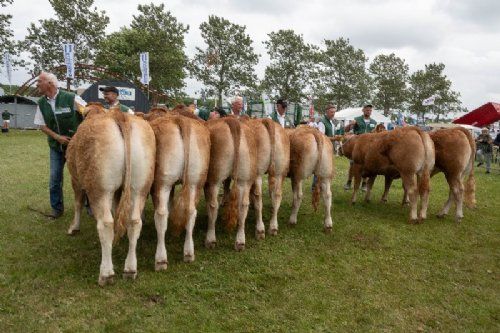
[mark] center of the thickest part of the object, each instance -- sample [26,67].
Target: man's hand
[64,140]
[353,122]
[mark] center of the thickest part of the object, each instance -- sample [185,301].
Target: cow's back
[453,150]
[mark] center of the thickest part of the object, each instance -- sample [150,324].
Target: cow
[455,154]
[182,155]
[233,155]
[311,153]
[111,161]
[407,153]
[273,158]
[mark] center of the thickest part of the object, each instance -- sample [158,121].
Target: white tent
[351,113]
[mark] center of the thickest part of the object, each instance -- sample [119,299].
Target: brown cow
[111,156]
[311,153]
[273,157]
[388,153]
[232,155]
[182,155]
[455,153]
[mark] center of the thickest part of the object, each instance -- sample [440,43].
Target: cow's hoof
[273,232]
[239,246]
[368,200]
[440,216]
[260,234]
[421,220]
[188,258]
[413,221]
[383,200]
[130,275]
[327,229]
[73,232]
[353,203]
[405,203]
[106,280]
[458,219]
[292,223]
[210,244]
[161,265]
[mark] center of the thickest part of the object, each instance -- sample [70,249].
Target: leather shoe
[55,214]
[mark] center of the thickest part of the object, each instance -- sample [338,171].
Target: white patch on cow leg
[410,184]
[133,232]
[105,228]
[423,188]
[161,223]
[244,202]
[369,186]
[326,193]
[458,193]
[297,200]
[188,241]
[260,229]
[75,225]
[446,208]
[212,208]
[276,195]
[357,182]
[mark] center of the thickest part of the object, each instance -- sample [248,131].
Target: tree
[75,22]
[155,31]
[390,75]
[228,60]
[340,76]
[7,44]
[287,76]
[432,82]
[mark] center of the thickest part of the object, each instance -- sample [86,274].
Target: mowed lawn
[373,273]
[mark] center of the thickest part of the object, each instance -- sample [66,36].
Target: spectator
[6,121]
[485,149]
[279,115]
[237,106]
[111,97]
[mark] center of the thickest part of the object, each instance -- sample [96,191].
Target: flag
[8,66]
[429,101]
[69,59]
[144,64]
[244,110]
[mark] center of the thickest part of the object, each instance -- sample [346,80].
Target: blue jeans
[57,160]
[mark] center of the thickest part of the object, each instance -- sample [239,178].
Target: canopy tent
[351,113]
[482,116]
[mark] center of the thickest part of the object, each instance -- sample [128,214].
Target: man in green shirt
[6,121]
[485,148]
[360,125]
[111,97]
[58,117]
[279,115]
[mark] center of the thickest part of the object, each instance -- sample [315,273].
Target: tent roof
[482,116]
[8,99]
[351,113]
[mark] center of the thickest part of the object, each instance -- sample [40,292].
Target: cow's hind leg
[369,186]
[276,195]
[297,200]
[357,182]
[105,227]
[260,229]
[244,202]
[387,187]
[188,241]
[79,199]
[423,189]
[212,208]
[161,198]
[457,188]
[134,227]
[326,193]
[446,208]
[410,184]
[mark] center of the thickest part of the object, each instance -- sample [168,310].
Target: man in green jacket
[111,97]
[360,125]
[6,121]
[58,116]
[279,115]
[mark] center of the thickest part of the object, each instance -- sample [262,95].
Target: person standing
[111,97]
[6,121]
[237,106]
[58,116]
[360,125]
[279,115]
[485,148]
[327,127]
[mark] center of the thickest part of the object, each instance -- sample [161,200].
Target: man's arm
[352,124]
[64,140]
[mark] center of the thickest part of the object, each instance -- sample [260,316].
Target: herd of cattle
[117,160]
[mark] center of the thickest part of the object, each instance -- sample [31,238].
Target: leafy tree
[287,76]
[7,44]
[390,75]
[227,61]
[340,76]
[156,31]
[428,82]
[75,22]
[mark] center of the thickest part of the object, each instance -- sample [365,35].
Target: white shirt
[116,104]
[52,101]
[321,127]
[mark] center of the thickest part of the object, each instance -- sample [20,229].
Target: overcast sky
[463,34]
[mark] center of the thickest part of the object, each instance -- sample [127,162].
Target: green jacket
[204,114]
[123,108]
[361,127]
[328,126]
[288,123]
[64,120]
[6,115]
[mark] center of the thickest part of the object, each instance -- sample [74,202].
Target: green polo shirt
[363,127]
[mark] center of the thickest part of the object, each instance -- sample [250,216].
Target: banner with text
[69,60]
[144,64]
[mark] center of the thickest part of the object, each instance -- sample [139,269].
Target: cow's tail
[124,205]
[470,184]
[180,212]
[317,188]
[231,211]
[269,124]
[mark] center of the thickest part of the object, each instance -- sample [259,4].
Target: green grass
[373,273]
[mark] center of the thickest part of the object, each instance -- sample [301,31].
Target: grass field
[373,273]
